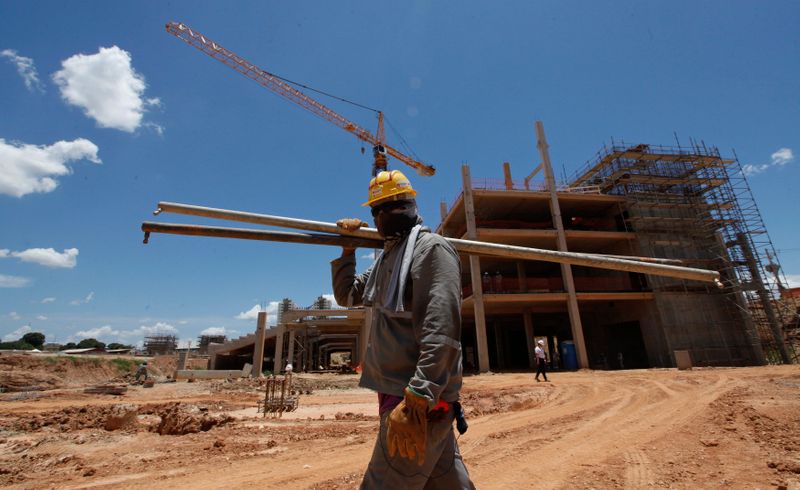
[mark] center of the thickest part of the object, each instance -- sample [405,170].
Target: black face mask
[395,218]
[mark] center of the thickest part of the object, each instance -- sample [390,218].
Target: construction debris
[107,389]
[278,396]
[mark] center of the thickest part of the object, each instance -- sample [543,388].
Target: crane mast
[379,148]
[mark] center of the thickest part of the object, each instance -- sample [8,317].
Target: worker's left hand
[407,427]
[351,224]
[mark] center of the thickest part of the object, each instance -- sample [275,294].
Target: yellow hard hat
[389,185]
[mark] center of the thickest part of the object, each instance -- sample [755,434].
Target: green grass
[85,361]
[124,365]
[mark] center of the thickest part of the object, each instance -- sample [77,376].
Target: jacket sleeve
[436,313]
[348,286]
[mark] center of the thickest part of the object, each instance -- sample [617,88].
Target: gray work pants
[443,468]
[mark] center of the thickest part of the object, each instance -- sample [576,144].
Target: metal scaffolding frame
[691,203]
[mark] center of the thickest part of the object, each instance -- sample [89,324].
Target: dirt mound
[68,419]
[121,416]
[504,400]
[43,372]
[328,381]
[178,419]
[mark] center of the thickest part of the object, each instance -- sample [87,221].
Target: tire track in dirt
[637,471]
[588,430]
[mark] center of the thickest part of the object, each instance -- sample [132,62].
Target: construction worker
[541,360]
[142,371]
[413,358]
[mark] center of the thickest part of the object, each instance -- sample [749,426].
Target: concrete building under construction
[678,203]
[689,204]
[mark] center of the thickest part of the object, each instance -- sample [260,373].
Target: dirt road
[706,428]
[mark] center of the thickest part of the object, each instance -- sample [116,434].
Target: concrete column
[278,364]
[475,274]
[499,345]
[507,176]
[182,356]
[258,348]
[566,269]
[527,319]
[522,278]
[290,354]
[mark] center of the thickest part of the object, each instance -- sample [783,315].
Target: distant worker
[621,360]
[541,360]
[413,359]
[289,368]
[141,371]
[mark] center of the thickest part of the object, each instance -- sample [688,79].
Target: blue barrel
[569,359]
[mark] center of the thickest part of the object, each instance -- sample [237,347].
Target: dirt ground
[705,428]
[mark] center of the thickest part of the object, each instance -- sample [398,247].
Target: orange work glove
[407,427]
[351,224]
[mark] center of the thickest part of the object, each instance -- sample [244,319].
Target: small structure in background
[160,344]
[205,340]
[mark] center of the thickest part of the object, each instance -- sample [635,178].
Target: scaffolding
[690,203]
[160,344]
[204,340]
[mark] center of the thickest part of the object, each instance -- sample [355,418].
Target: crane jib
[287,91]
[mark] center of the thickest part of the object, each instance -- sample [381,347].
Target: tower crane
[380,149]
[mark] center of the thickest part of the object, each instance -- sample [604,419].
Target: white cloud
[215,331]
[17,334]
[13,281]
[88,299]
[158,328]
[41,317]
[25,169]
[782,156]
[331,298]
[778,159]
[106,87]
[48,300]
[104,332]
[793,280]
[46,257]
[107,333]
[250,314]
[159,129]
[754,169]
[368,256]
[14,315]
[25,68]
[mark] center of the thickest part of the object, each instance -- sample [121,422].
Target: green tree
[69,345]
[36,339]
[16,345]
[117,345]
[91,343]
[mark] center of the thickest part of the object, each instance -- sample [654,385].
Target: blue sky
[103,114]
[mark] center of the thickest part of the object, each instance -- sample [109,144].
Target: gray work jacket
[419,347]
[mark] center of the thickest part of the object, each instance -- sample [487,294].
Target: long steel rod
[463,246]
[302,224]
[263,235]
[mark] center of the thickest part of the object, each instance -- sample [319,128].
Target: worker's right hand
[351,224]
[407,427]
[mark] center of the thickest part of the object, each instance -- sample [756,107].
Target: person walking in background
[541,360]
[141,372]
